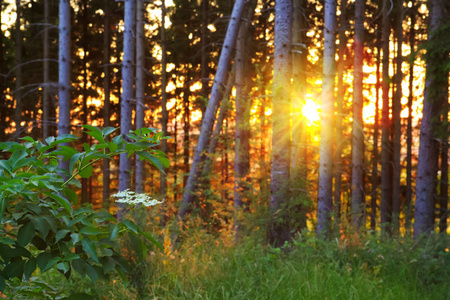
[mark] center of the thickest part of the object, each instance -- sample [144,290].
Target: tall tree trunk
[19,78]
[127,93]
[375,158]
[338,162]
[386,182]
[434,97]
[140,88]
[2,83]
[358,194]
[64,72]
[186,129]
[204,54]
[84,118]
[107,92]
[242,118]
[443,188]
[324,206]
[46,96]
[397,107]
[165,115]
[281,143]
[409,191]
[208,119]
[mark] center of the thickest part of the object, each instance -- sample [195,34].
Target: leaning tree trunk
[64,72]
[140,88]
[386,182]
[397,107]
[208,119]
[435,85]
[358,194]
[19,78]
[127,93]
[325,198]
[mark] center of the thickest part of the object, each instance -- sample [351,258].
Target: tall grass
[309,268]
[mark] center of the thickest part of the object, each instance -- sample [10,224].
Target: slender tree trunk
[165,115]
[107,92]
[435,85]
[443,197]
[397,107]
[208,119]
[19,78]
[324,206]
[409,191]
[46,96]
[2,83]
[281,143]
[84,119]
[140,89]
[358,194]
[64,72]
[242,118]
[374,193]
[386,182]
[204,53]
[338,162]
[186,128]
[127,93]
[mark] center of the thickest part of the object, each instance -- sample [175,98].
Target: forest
[246,149]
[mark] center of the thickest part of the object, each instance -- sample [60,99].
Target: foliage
[39,226]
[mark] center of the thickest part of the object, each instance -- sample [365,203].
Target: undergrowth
[207,267]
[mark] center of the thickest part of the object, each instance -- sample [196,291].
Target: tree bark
[443,188]
[281,143]
[386,182]
[358,194]
[107,92]
[397,107]
[324,206]
[127,93]
[64,72]
[46,96]
[165,115]
[434,95]
[19,78]
[140,92]
[208,119]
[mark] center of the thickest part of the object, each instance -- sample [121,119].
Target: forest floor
[308,268]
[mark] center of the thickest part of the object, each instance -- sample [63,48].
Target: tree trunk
[46,96]
[397,107]
[243,102]
[409,191]
[338,162]
[140,86]
[204,54]
[358,194]
[434,97]
[186,129]
[64,72]
[386,182]
[106,104]
[374,193]
[2,83]
[127,93]
[281,143]
[208,119]
[19,78]
[443,196]
[165,116]
[324,206]
[84,118]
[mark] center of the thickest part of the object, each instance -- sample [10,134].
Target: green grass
[306,269]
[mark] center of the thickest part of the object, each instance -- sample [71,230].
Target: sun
[310,111]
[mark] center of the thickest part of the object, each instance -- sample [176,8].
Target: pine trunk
[19,78]
[165,115]
[46,96]
[325,198]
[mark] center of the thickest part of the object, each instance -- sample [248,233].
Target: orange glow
[310,111]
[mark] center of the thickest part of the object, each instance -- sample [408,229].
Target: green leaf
[114,232]
[90,231]
[61,234]
[63,266]
[71,195]
[79,265]
[94,132]
[130,225]
[41,225]
[2,284]
[61,201]
[14,269]
[150,238]
[108,264]
[30,267]
[112,147]
[50,140]
[90,271]
[16,156]
[73,160]
[28,139]
[89,248]
[108,130]
[138,246]
[42,260]
[25,234]
[86,172]
[150,158]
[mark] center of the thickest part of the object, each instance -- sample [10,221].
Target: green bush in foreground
[39,228]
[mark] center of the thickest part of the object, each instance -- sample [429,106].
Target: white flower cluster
[131,198]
